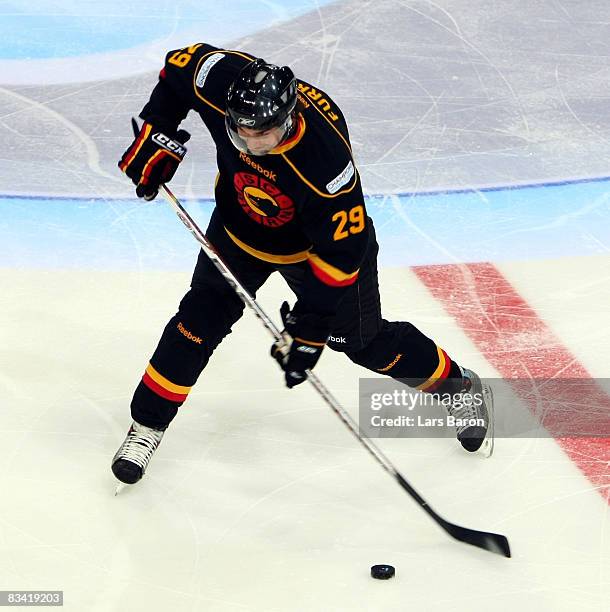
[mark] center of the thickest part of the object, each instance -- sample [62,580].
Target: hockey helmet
[263,96]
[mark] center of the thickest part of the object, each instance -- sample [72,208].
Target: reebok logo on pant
[187,334]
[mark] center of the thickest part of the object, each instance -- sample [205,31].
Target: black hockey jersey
[302,202]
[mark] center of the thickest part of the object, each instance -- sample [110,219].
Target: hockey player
[288,200]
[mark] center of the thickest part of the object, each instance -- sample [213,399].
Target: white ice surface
[258,498]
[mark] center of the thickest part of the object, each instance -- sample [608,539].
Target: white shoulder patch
[342,179]
[202,75]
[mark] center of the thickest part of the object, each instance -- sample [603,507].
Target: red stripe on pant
[159,390]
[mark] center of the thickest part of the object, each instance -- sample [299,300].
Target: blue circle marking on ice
[47,29]
[509,223]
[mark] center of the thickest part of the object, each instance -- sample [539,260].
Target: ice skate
[133,456]
[473,410]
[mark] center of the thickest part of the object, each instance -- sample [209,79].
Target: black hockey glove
[153,158]
[303,338]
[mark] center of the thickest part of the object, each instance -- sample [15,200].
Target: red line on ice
[519,345]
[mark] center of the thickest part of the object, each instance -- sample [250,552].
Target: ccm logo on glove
[308,349]
[171,145]
[303,338]
[153,158]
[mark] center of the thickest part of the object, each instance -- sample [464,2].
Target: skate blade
[119,488]
[487,448]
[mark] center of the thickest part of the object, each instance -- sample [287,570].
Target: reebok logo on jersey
[337,339]
[266,173]
[202,75]
[342,179]
[169,145]
[187,334]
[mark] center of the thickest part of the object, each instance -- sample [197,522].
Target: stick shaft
[455,531]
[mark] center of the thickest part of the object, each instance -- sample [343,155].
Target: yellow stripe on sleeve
[329,269]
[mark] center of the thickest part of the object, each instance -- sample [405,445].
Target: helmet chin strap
[290,126]
[289,129]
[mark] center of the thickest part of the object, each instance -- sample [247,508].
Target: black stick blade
[492,542]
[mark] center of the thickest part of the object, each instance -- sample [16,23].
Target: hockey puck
[382,572]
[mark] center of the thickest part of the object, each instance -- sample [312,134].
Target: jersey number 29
[356,219]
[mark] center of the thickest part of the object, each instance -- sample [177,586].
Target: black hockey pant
[210,308]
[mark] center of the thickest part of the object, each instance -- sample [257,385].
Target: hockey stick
[492,542]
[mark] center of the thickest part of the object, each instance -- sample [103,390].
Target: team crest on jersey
[262,201]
